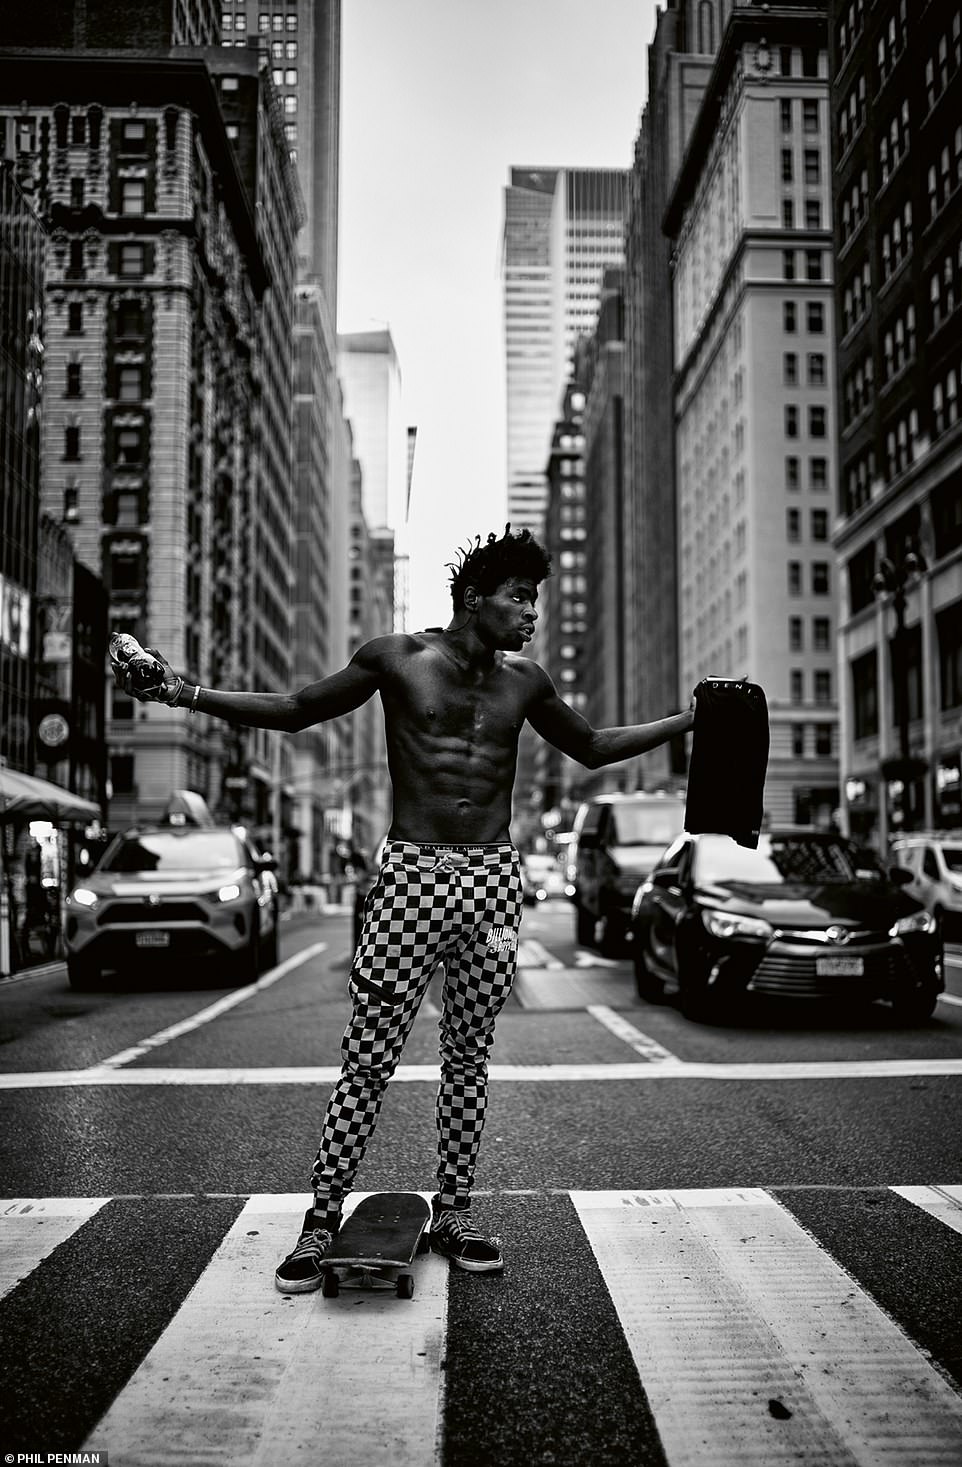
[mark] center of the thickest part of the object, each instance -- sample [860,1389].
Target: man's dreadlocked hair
[487,566]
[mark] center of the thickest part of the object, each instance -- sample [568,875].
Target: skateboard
[377,1244]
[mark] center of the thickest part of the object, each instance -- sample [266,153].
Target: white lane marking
[204,1016]
[729,1307]
[593,960]
[246,1377]
[642,1043]
[533,954]
[515,1074]
[31,1227]
[944,1203]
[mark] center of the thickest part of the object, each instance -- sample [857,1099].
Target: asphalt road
[707,1257]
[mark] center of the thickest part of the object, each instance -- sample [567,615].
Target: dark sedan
[806,915]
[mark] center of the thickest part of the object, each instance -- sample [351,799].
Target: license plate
[153,939]
[839,967]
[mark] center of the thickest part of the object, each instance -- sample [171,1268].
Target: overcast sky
[439,99]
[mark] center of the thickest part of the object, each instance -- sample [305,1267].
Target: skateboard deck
[377,1245]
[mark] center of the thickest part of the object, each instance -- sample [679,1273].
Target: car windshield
[169,850]
[779,860]
[646,825]
[952,856]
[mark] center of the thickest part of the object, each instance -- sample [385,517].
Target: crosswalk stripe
[944,1203]
[33,1227]
[248,1377]
[754,1346]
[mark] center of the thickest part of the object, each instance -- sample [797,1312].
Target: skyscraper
[562,226]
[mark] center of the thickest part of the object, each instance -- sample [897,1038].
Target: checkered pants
[456,905]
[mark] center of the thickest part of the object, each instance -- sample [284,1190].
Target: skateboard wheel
[405,1286]
[331,1287]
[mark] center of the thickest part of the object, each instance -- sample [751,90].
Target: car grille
[794,973]
[141,913]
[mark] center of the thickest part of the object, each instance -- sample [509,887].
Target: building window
[790,368]
[76,193]
[795,633]
[76,270]
[74,373]
[794,578]
[78,129]
[813,264]
[819,524]
[791,473]
[823,740]
[815,317]
[949,627]
[785,60]
[797,685]
[798,740]
[816,422]
[822,634]
[865,695]
[789,317]
[130,320]
[290,50]
[821,580]
[132,195]
[227,21]
[813,166]
[290,131]
[785,107]
[130,447]
[290,77]
[122,772]
[263,22]
[788,264]
[134,136]
[813,213]
[75,318]
[788,214]
[810,122]
[71,443]
[240,21]
[290,105]
[130,384]
[290,20]
[793,524]
[816,369]
[788,166]
[131,259]
[791,420]
[818,473]
[277,22]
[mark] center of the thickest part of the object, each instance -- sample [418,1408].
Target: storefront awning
[24,797]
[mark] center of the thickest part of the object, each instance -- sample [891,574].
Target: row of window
[820,578]
[280,21]
[814,317]
[822,685]
[813,264]
[945,177]
[945,285]
[851,114]
[818,525]
[854,208]
[864,674]
[812,215]
[849,28]
[130,445]
[891,43]
[896,241]
[817,420]
[858,389]
[816,369]
[811,166]
[898,344]
[945,402]
[823,741]
[857,298]
[811,123]
[894,143]
[817,473]
[944,61]
[821,634]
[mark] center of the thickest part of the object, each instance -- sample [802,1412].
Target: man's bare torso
[452,738]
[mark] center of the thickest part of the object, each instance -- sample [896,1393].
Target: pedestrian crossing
[687,1327]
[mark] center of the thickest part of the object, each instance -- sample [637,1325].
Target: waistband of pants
[430,854]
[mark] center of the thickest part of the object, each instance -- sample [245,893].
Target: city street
[723,1244]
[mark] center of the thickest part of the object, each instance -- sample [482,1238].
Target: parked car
[543,878]
[935,861]
[618,839]
[806,915]
[180,892]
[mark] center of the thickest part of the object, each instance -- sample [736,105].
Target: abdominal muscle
[450,789]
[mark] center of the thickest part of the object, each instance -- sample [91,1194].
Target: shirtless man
[449,889]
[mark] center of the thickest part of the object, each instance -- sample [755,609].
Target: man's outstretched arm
[561,725]
[328,698]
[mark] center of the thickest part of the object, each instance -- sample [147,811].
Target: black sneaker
[301,1270]
[454,1235]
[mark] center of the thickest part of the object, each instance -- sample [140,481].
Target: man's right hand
[164,692]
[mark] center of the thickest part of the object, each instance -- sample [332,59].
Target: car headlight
[729,924]
[229,893]
[917,922]
[84,897]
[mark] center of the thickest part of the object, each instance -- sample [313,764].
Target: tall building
[302,39]
[679,63]
[897,88]
[371,379]
[155,280]
[102,25]
[22,257]
[561,227]
[754,393]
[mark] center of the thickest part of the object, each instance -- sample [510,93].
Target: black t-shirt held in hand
[729,757]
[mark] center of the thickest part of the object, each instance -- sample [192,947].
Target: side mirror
[901,876]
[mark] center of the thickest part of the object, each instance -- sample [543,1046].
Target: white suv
[935,861]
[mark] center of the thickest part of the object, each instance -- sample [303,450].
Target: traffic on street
[725,1239]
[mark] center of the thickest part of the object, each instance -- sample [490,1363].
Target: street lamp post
[892,581]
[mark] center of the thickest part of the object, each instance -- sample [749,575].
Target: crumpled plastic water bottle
[146,673]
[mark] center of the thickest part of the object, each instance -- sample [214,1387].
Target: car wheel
[914,1005]
[82,975]
[612,937]
[650,987]
[585,927]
